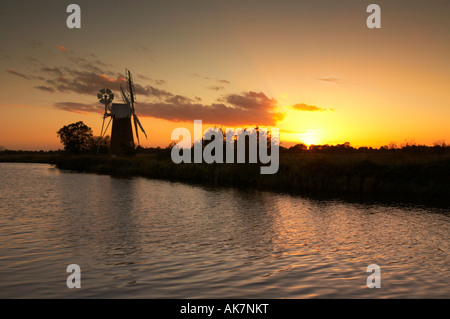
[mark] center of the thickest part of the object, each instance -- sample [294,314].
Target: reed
[382,172]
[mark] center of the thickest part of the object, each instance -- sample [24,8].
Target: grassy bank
[30,157]
[372,173]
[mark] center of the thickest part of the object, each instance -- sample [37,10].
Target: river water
[142,238]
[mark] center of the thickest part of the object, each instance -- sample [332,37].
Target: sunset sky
[313,69]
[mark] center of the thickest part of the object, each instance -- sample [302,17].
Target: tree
[76,137]
[2,149]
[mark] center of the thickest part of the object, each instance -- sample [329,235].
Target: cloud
[309,108]
[88,82]
[33,43]
[217,113]
[61,47]
[45,88]
[331,79]
[216,87]
[157,81]
[200,76]
[31,61]
[87,74]
[144,49]
[224,81]
[143,77]
[179,100]
[80,108]
[248,108]
[207,78]
[55,71]
[24,76]
[84,82]
[251,100]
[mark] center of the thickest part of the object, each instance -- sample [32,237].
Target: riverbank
[399,173]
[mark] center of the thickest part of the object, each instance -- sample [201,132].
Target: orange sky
[311,68]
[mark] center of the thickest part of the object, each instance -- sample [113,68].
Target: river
[143,238]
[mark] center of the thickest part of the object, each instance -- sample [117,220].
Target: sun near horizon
[316,73]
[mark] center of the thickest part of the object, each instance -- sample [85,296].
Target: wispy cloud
[54,71]
[207,78]
[331,80]
[224,81]
[216,87]
[80,108]
[45,88]
[309,108]
[24,76]
[155,81]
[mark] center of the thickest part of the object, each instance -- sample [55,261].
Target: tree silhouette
[76,137]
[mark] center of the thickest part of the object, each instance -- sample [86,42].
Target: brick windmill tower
[120,114]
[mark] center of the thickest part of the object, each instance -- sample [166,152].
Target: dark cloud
[251,100]
[45,88]
[243,109]
[309,108]
[150,91]
[24,76]
[216,113]
[84,82]
[179,100]
[87,75]
[249,108]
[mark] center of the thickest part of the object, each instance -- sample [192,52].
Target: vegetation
[78,138]
[409,170]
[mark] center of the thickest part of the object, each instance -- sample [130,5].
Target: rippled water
[141,238]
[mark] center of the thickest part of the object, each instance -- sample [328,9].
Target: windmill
[120,114]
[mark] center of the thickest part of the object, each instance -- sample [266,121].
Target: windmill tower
[120,114]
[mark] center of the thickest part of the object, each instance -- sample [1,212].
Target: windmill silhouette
[120,114]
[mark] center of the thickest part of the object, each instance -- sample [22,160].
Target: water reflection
[142,238]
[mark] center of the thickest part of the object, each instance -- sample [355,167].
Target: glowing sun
[309,137]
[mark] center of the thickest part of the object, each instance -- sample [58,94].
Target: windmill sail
[124,96]
[139,123]
[131,99]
